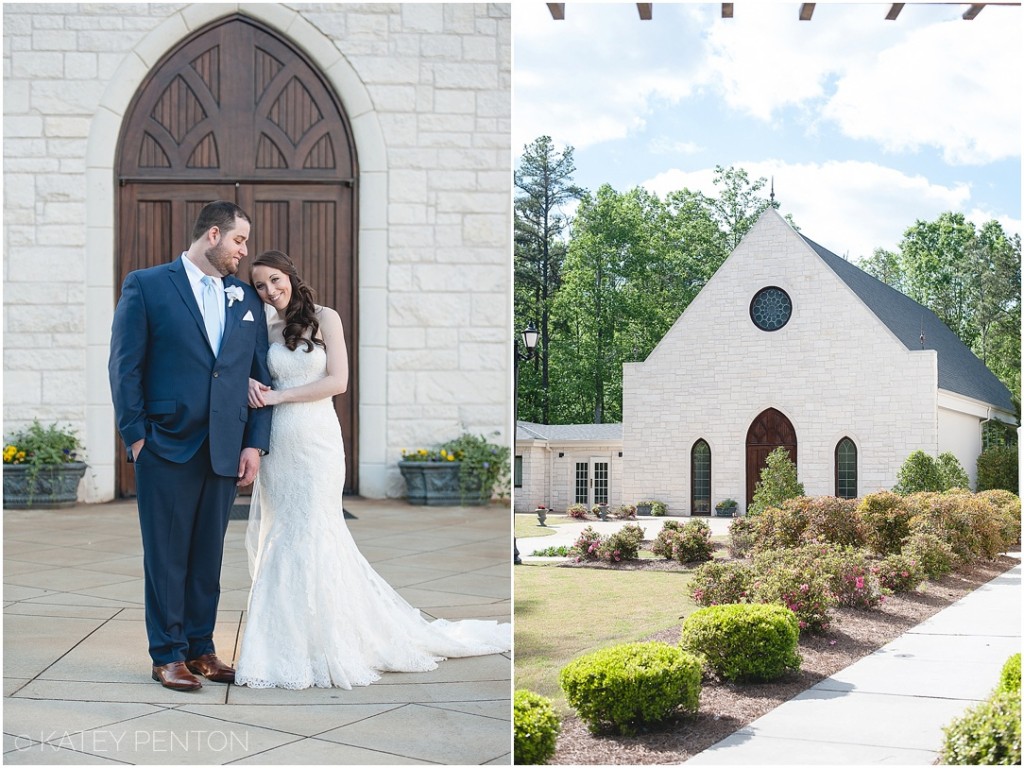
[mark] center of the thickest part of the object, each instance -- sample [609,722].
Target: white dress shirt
[195,279]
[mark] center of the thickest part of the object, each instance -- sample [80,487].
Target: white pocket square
[248,317]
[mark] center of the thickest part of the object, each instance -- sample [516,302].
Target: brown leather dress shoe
[176,677]
[212,668]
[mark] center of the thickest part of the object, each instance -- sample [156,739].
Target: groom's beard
[221,260]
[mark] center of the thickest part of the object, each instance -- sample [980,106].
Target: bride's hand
[257,394]
[271,396]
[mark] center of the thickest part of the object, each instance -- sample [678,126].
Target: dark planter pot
[727,512]
[436,484]
[644,510]
[53,487]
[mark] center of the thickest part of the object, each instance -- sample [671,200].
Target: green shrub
[778,482]
[717,583]
[933,555]
[900,572]
[987,734]
[918,473]
[969,525]
[886,521]
[1009,677]
[998,469]
[536,728]
[624,544]
[1007,507]
[744,642]
[834,520]
[631,685]
[658,509]
[951,472]
[782,526]
[689,543]
[742,533]
[560,551]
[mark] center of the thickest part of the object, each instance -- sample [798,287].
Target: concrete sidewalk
[890,707]
[77,685]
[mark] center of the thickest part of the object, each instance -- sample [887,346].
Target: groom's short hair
[220,214]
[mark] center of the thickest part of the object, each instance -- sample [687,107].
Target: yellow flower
[450,457]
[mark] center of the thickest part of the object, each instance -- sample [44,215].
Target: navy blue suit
[192,409]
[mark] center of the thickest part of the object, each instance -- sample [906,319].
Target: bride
[319,615]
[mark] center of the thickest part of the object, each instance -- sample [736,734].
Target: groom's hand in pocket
[248,466]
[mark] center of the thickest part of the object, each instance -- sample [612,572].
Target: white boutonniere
[234,293]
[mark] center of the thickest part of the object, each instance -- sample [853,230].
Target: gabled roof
[526,430]
[960,370]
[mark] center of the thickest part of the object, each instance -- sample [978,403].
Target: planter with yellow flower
[465,471]
[41,468]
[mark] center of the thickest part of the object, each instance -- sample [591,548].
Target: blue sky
[865,124]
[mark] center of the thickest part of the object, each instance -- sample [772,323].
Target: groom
[186,337]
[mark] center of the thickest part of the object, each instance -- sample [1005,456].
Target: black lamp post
[529,338]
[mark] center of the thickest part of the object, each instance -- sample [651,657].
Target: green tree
[778,482]
[544,186]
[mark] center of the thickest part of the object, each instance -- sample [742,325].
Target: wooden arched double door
[770,430]
[237,113]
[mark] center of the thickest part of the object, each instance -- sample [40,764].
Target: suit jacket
[168,387]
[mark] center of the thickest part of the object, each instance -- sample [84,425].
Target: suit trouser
[183,514]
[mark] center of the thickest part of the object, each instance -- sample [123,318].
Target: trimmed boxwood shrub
[536,728]
[628,686]
[987,734]
[1009,678]
[718,583]
[744,642]
[886,521]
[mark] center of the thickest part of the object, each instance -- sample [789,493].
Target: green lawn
[564,612]
[527,526]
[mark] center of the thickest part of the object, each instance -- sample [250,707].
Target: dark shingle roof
[959,369]
[526,430]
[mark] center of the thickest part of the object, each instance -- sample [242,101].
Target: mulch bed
[727,707]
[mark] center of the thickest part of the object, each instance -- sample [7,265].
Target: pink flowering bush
[577,512]
[803,590]
[900,573]
[847,571]
[687,543]
[624,544]
[588,545]
[781,527]
[717,583]
[625,512]
[934,556]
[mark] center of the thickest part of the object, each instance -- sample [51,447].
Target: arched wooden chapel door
[770,430]
[237,113]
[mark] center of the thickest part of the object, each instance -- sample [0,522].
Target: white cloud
[955,86]
[849,207]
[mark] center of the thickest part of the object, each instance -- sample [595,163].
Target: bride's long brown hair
[300,314]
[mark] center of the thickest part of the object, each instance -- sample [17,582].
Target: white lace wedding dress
[319,615]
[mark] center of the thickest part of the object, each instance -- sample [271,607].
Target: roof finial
[771,197]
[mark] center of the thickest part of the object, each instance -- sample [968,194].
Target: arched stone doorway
[770,430]
[236,112]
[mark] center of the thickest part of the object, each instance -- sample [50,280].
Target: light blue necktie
[211,312]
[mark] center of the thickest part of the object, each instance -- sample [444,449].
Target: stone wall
[427,90]
[834,370]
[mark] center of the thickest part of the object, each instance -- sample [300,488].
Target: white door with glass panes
[592,481]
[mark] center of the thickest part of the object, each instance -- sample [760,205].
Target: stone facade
[427,90]
[550,454]
[835,370]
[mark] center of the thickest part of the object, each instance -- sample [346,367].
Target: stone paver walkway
[77,685]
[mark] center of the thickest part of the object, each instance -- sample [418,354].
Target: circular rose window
[771,309]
